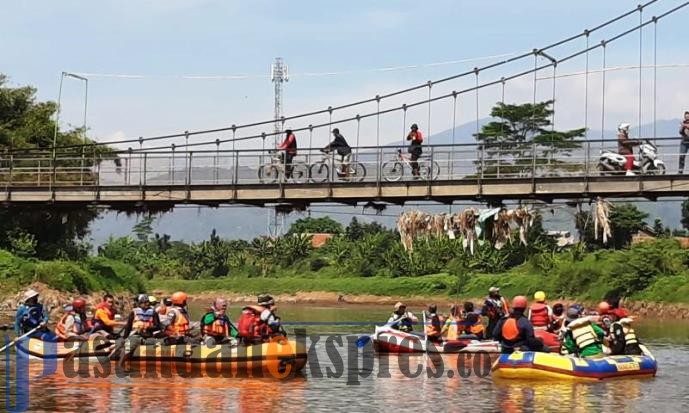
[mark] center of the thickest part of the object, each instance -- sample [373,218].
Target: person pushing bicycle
[416,138]
[340,145]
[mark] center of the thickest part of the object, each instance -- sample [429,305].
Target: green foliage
[523,135]
[685,214]
[93,274]
[21,243]
[144,228]
[626,220]
[315,225]
[28,124]
[356,230]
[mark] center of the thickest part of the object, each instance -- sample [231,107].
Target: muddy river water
[364,381]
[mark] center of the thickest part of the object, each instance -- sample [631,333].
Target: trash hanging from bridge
[471,224]
[601,213]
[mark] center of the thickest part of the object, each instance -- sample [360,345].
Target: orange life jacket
[539,315]
[101,323]
[433,326]
[220,327]
[510,329]
[180,327]
[250,324]
[79,326]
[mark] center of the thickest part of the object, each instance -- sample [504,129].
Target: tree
[659,229]
[310,225]
[685,214]
[626,220]
[356,231]
[27,126]
[523,136]
[144,228]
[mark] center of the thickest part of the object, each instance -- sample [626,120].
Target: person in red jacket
[289,145]
[540,313]
[416,138]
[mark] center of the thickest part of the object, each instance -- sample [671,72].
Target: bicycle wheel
[268,174]
[357,172]
[392,171]
[300,173]
[319,172]
[430,172]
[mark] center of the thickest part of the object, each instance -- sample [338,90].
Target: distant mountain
[194,224]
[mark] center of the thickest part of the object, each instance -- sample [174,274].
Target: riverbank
[414,291]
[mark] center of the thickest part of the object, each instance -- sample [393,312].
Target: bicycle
[393,170]
[319,171]
[275,170]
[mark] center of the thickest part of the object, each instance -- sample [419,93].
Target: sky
[165,40]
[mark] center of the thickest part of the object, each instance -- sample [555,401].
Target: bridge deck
[541,188]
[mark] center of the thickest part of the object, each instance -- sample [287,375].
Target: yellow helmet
[539,296]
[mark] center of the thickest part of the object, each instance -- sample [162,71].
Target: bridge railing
[136,168]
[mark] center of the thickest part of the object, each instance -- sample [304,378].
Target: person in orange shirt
[104,318]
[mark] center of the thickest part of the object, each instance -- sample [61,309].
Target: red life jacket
[250,324]
[540,315]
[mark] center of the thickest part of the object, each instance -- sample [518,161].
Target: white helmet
[623,127]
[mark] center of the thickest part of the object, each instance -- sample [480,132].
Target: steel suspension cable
[602,44]
[378,97]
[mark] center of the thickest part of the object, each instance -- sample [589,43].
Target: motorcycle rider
[625,147]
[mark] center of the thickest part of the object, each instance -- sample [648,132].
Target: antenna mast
[278,75]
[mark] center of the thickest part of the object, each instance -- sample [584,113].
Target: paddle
[13,342]
[425,334]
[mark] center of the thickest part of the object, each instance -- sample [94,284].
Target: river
[377,383]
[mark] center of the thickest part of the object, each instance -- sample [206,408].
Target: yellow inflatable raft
[278,358]
[546,366]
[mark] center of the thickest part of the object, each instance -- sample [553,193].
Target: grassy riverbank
[654,272]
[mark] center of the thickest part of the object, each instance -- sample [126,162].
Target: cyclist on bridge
[289,145]
[416,138]
[339,144]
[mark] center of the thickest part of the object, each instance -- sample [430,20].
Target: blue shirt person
[30,314]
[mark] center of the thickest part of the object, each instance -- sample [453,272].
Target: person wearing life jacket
[143,322]
[401,319]
[216,327]
[495,308]
[452,327]
[433,327]
[558,319]
[582,337]
[176,322]
[30,314]
[540,313]
[605,318]
[616,311]
[515,332]
[471,322]
[162,308]
[74,325]
[258,323]
[623,338]
[104,317]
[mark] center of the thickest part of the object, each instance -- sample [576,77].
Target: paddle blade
[362,341]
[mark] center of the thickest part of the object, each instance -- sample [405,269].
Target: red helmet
[78,303]
[179,298]
[519,302]
[603,307]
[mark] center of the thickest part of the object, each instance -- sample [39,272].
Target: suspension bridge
[226,165]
